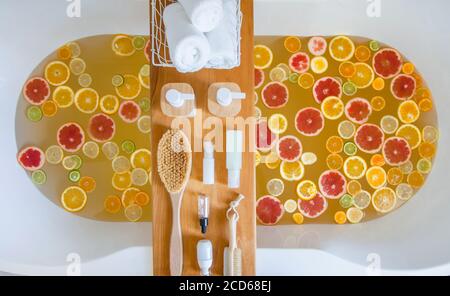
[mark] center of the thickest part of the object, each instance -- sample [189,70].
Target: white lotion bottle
[234,157]
[208,163]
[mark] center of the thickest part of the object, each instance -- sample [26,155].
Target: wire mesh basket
[160,48]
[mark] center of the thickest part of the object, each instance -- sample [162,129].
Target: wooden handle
[176,241]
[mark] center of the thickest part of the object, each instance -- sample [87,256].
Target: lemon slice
[290,206]
[85,80]
[72,162]
[354,215]
[144,124]
[355,167]
[110,150]
[54,154]
[384,200]
[63,96]
[306,190]
[275,187]
[346,129]
[122,45]
[362,200]
[77,66]
[430,134]
[133,212]
[121,164]
[308,158]
[404,191]
[91,149]
[139,177]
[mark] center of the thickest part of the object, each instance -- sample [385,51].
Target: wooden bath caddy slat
[220,195]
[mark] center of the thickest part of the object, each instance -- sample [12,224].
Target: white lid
[234,178]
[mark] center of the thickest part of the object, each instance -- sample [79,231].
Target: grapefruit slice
[129,111]
[396,151]
[265,138]
[332,184]
[289,148]
[148,50]
[358,110]
[317,45]
[326,87]
[269,210]
[309,121]
[275,95]
[369,138]
[101,128]
[70,137]
[36,90]
[403,87]
[314,207]
[387,63]
[299,62]
[259,78]
[31,158]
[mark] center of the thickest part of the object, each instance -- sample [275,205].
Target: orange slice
[73,199]
[112,204]
[306,190]
[415,179]
[86,100]
[292,171]
[57,73]
[129,196]
[263,56]
[292,44]
[362,53]
[378,83]
[87,183]
[377,160]
[353,187]
[121,181]
[355,167]
[378,103]
[334,161]
[347,69]
[408,112]
[63,96]
[122,45]
[334,144]
[363,75]
[332,108]
[109,104]
[141,158]
[384,200]
[142,199]
[408,68]
[306,80]
[425,105]
[411,134]
[340,217]
[298,218]
[376,177]
[49,108]
[341,48]
[427,150]
[394,176]
[130,88]
[64,52]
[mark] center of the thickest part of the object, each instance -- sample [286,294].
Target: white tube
[205,15]
[208,163]
[234,157]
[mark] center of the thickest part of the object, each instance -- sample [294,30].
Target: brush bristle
[174,160]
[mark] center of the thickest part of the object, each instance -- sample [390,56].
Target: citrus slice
[148,50]
[49,108]
[262,56]
[269,210]
[74,176]
[317,45]
[77,66]
[121,164]
[374,45]
[129,196]
[361,200]
[305,80]
[362,53]
[363,76]
[39,177]
[378,103]
[326,87]
[128,146]
[340,217]
[298,218]
[424,166]
[332,184]
[110,150]
[377,160]
[34,113]
[57,73]
[332,107]
[275,95]
[309,121]
[31,158]
[306,190]
[355,167]
[144,76]
[404,191]
[278,74]
[347,69]
[308,158]
[139,177]
[341,48]
[369,138]
[350,148]
[117,80]
[427,150]
[278,123]
[129,111]
[430,134]
[290,206]
[144,124]
[299,62]
[403,87]
[142,199]
[387,63]
[314,207]
[63,96]
[289,148]
[101,128]
[415,179]
[265,138]
[334,161]
[121,181]
[334,144]
[133,213]
[376,177]
[319,65]
[141,158]
[72,162]
[396,151]
[408,68]
[70,137]
[272,161]
[384,200]
[378,84]
[259,77]
[292,44]
[73,199]
[407,167]
[358,110]
[36,90]
[353,187]
[122,45]
[91,149]
[112,204]
[144,104]
[86,100]
[139,42]
[425,105]
[408,112]
[130,88]
[87,183]
[54,154]
[346,201]
[354,215]
[349,88]
[64,52]
[85,80]
[411,134]
[109,104]
[275,187]
[291,171]
[346,129]
[389,124]
[394,176]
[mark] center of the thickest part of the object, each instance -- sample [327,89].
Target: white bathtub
[36,236]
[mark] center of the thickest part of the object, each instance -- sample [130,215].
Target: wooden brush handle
[176,241]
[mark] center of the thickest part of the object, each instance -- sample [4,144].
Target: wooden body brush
[174,168]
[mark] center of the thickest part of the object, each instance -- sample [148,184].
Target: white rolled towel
[204,14]
[189,48]
[223,39]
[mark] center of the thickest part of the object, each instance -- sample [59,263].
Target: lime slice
[133,212]
[404,191]
[74,176]
[121,164]
[290,206]
[144,104]
[54,154]
[139,42]
[308,158]
[77,66]
[117,80]
[424,166]
[144,124]
[139,177]
[91,149]
[74,49]
[346,201]
[346,129]
[349,88]
[293,77]
[362,200]
[85,80]
[275,187]
[128,146]
[72,162]
[145,70]
[350,148]
[34,113]
[39,177]
[374,45]
[110,150]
